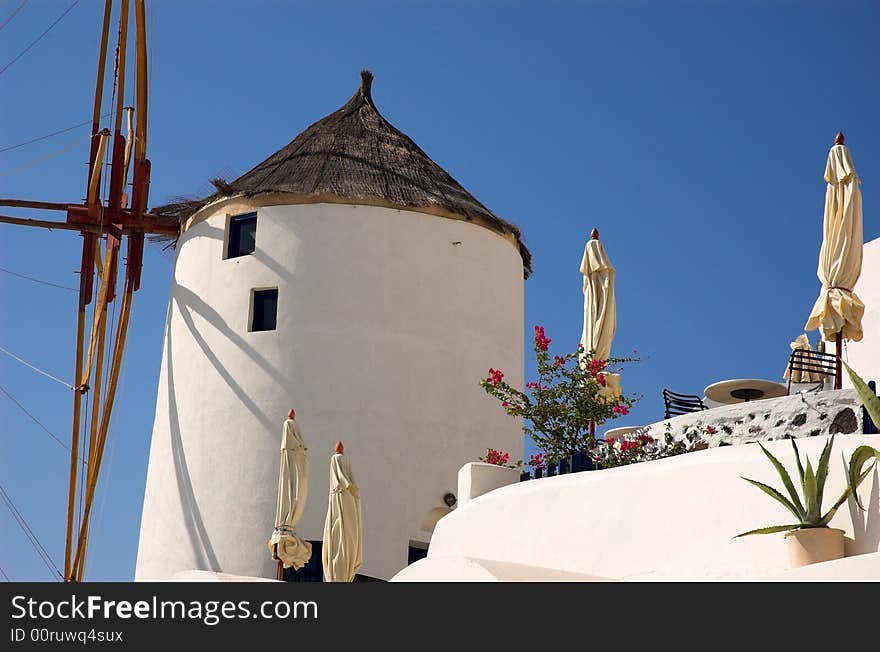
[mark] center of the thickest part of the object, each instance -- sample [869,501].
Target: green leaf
[810,494]
[797,457]
[822,471]
[786,480]
[770,491]
[769,530]
[857,461]
[849,490]
[867,397]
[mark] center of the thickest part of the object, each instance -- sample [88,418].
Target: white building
[350,277]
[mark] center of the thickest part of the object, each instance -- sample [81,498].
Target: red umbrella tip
[839,139]
[594,234]
[291,414]
[339,447]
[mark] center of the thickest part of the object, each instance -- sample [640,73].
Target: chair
[681,403]
[815,362]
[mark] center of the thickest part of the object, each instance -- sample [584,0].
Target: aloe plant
[808,513]
[863,454]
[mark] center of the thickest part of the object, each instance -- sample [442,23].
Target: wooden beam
[64,226]
[29,203]
[144,227]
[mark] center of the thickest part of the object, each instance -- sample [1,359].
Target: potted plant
[809,539]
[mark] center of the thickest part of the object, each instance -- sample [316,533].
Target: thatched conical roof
[355,154]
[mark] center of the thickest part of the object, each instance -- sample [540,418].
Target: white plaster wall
[807,414]
[385,327]
[864,356]
[670,519]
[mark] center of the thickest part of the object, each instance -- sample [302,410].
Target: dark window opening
[417,550]
[265,310]
[242,235]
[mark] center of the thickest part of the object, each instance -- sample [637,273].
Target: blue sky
[692,134]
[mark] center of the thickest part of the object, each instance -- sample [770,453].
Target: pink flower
[558,361]
[505,404]
[610,441]
[601,379]
[541,341]
[532,385]
[495,376]
[620,409]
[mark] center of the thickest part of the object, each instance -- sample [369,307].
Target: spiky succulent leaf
[861,456]
[773,493]
[810,494]
[822,471]
[769,530]
[797,458]
[866,396]
[846,493]
[786,480]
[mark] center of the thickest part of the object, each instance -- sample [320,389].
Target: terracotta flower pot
[814,545]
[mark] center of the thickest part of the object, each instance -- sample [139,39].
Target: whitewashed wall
[387,320]
[671,519]
[864,356]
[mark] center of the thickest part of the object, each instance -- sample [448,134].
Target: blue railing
[571,464]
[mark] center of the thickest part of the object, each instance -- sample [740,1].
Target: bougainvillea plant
[640,446]
[499,458]
[568,396]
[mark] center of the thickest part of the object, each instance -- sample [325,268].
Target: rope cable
[45,373]
[5,576]
[33,418]
[29,533]
[36,280]
[42,159]
[39,38]
[12,15]
[49,135]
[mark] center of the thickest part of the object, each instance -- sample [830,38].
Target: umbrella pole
[280,574]
[838,367]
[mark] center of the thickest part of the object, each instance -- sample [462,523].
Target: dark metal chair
[815,362]
[681,403]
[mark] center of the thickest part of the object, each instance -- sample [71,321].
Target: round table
[619,432]
[741,390]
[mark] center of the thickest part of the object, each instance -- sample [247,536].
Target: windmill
[120,217]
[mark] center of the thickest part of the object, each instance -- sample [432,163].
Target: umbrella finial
[594,234]
[839,139]
[291,414]
[339,447]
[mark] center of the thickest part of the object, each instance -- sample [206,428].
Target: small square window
[264,310]
[242,235]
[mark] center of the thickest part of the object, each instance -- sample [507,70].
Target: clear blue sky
[692,134]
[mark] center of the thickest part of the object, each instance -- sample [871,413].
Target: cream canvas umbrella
[838,311]
[600,310]
[342,553]
[800,376]
[293,482]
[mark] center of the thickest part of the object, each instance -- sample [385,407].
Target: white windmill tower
[350,276]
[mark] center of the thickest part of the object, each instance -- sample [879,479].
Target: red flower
[495,376]
[610,441]
[620,409]
[541,341]
[711,430]
[601,379]
[558,361]
[505,404]
[532,385]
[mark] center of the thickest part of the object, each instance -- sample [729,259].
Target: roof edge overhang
[246,202]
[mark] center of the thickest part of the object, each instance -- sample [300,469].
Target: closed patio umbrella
[293,481]
[342,552]
[838,311]
[600,310]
